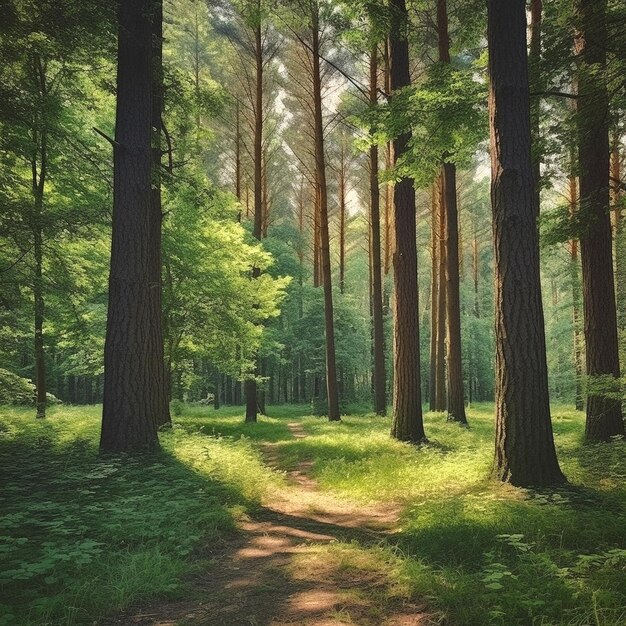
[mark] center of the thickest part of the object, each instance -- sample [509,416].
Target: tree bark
[576,300]
[536,85]
[407,422]
[456,395]
[342,217]
[604,412]
[380,377]
[441,398]
[161,398]
[525,453]
[320,168]
[434,296]
[130,367]
[252,400]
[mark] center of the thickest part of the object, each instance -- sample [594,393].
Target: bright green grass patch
[82,536]
[481,552]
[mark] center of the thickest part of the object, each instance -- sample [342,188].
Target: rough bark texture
[130,368]
[380,378]
[407,422]
[456,395]
[536,86]
[320,168]
[161,397]
[604,413]
[525,453]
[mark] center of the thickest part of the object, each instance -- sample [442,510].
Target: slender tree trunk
[407,422]
[161,399]
[455,397]
[238,158]
[619,244]
[342,218]
[130,368]
[604,411]
[441,402]
[434,296]
[320,167]
[39,178]
[380,377]
[525,453]
[252,401]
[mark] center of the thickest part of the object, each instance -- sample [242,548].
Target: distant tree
[525,452]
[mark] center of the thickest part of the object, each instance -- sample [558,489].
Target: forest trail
[276,574]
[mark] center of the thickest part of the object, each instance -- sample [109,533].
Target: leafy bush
[14,389]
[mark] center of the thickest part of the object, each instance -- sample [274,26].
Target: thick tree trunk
[407,422]
[130,367]
[380,377]
[525,453]
[161,398]
[252,401]
[320,168]
[604,412]
[576,301]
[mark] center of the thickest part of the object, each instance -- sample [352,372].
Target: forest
[312,312]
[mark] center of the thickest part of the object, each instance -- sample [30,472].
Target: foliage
[14,389]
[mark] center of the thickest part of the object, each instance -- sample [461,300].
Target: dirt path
[277,574]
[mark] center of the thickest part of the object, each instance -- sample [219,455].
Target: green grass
[83,536]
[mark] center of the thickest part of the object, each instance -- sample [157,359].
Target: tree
[604,412]
[407,422]
[456,397]
[380,377]
[161,386]
[525,453]
[131,369]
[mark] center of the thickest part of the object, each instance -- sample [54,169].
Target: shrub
[14,389]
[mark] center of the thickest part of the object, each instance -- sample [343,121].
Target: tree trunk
[252,401]
[342,217]
[39,177]
[441,402]
[456,396]
[380,383]
[536,85]
[130,368]
[619,247]
[434,298]
[604,412]
[525,453]
[320,167]
[407,398]
[161,398]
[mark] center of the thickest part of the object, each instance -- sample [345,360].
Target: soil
[275,573]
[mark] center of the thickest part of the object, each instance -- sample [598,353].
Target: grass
[84,536]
